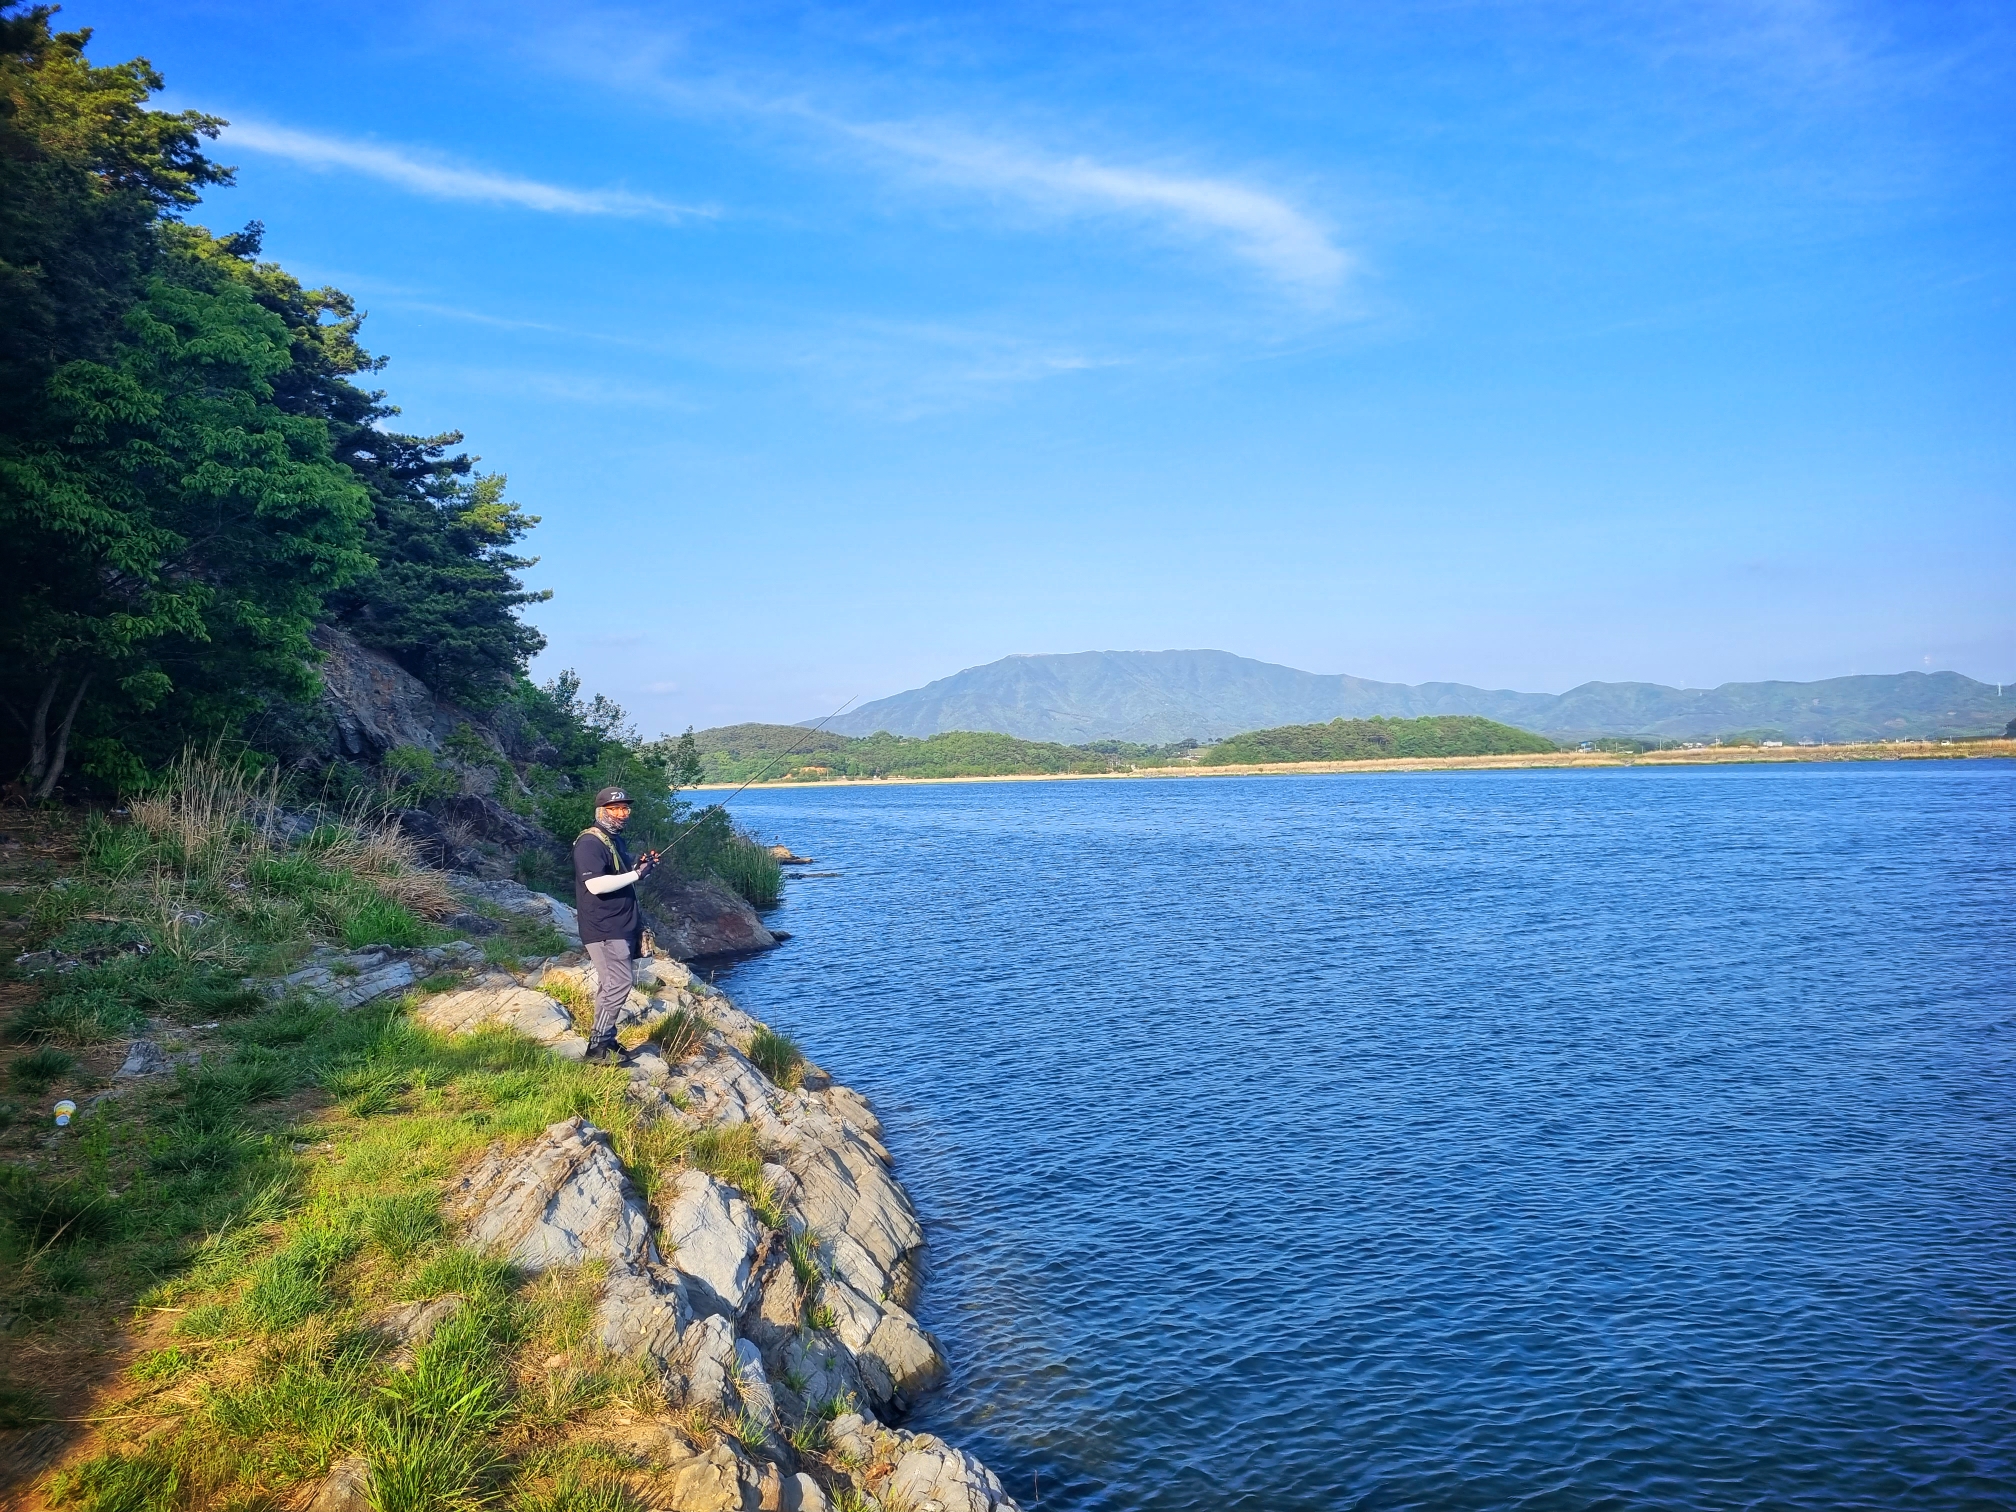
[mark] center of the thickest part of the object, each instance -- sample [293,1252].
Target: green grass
[34,1071]
[677,1035]
[777,1057]
[272,1197]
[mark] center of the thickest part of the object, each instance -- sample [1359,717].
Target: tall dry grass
[215,819]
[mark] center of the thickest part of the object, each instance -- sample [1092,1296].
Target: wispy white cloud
[440,179]
[1267,230]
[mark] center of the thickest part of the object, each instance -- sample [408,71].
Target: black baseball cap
[610,796]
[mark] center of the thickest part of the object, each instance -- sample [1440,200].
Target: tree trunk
[63,740]
[38,731]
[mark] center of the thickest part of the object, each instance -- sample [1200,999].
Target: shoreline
[1916,750]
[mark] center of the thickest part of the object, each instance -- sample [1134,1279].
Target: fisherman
[612,927]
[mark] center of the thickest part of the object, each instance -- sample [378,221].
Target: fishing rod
[652,858]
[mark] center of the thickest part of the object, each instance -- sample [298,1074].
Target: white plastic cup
[65,1110]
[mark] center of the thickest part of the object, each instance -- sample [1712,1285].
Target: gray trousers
[612,988]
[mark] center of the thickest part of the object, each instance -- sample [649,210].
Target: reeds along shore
[1901,750]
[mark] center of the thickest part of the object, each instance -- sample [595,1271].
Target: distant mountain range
[1155,697]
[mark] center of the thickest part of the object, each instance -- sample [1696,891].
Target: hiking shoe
[607,1055]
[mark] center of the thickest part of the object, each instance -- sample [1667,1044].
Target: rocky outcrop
[563,1200]
[776,1328]
[695,917]
[376,704]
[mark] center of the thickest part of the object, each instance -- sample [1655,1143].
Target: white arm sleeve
[601,885]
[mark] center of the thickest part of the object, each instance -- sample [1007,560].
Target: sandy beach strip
[1913,750]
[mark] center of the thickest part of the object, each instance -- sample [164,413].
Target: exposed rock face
[691,918]
[712,1236]
[377,705]
[346,1488]
[709,1296]
[516,898]
[565,1199]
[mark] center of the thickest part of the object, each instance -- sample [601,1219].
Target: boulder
[752,1386]
[707,1359]
[376,704]
[932,1474]
[691,917]
[351,980]
[720,1480]
[901,1361]
[346,1488]
[565,1199]
[143,1058]
[503,1003]
[712,1236]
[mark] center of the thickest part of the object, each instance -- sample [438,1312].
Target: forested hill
[1376,739]
[1161,696]
[789,753]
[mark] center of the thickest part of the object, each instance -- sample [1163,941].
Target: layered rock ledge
[768,1312]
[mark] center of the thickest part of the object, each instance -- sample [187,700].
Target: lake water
[1634,1138]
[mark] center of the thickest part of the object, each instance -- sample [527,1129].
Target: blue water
[1635,1138]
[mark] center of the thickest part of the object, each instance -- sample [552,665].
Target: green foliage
[34,1071]
[189,479]
[677,1035]
[417,775]
[738,753]
[776,1056]
[1377,739]
[708,844]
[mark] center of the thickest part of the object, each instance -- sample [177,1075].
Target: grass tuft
[34,1071]
[678,1034]
[777,1057]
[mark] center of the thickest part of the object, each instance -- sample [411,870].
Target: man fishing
[612,926]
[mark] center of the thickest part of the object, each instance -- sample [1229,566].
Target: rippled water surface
[1632,1138]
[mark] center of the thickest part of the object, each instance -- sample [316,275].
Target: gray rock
[369,974]
[932,1476]
[377,705]
[412,1324]
[143,1058]
[346,1488]
[708,1361]
[802,1494]
[901,1361]
[563,1199]
[505,1005]
[752,1385]
[640,1314]
[692,917]
[713,1236]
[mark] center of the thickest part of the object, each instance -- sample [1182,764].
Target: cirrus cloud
[439,179]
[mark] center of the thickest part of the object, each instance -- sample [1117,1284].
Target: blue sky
[1512,344]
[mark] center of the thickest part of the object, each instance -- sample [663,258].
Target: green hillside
[1375,739]
[737,753]
[791,753]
